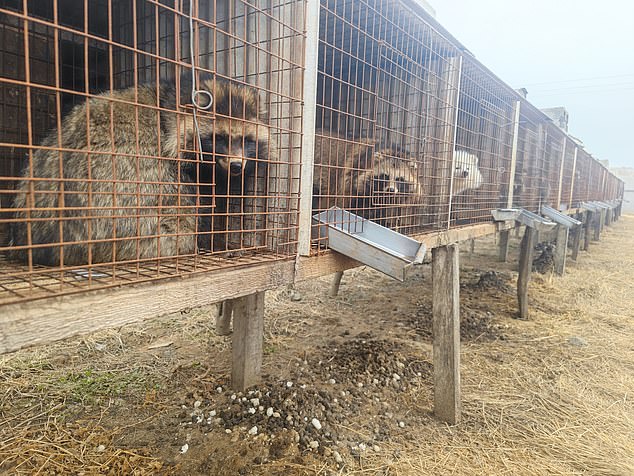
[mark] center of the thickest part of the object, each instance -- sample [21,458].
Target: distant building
[559,116]
[522,92]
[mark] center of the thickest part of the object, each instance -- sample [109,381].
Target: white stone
[269,412]
[253,431]
[184,448]
[338,457]
[316,423]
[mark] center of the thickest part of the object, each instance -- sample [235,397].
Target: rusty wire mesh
[106,178]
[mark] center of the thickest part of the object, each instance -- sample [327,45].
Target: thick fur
[466,175]
[128,205]
[369,179]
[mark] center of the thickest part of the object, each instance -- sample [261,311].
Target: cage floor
[17,284]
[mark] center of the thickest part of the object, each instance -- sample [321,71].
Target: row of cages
[143,139]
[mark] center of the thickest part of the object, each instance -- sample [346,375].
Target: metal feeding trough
[559,218]
[371,244]
[524,217]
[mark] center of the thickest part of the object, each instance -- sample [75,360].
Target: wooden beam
[561,249]
[247,340]
[525,268]
[65,316]
[223,317]
[334,285]
[446,330]
[309,108]
[503,245]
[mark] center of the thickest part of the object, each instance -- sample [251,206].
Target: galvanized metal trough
[524,217]
[559,218]
[370,243]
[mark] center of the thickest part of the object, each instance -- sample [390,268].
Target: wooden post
[248,336]
[446,331]
[604,213]
[576,241]
[561,250]
[525,268]
[472,245]
[598,218]
[334,285]
[503,245]
[223,318]
[587,226]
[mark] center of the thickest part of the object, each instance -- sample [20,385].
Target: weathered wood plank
[247,341]
[525,268]
[503,245]
[43,321]
[223,317]
[446,330]
[561,250]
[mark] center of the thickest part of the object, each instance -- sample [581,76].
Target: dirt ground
[347,385]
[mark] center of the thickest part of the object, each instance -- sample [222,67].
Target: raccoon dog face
[393,176]
[235,138]
[466,172]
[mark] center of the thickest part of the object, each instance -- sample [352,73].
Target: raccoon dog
[137,194]
[370,179]
[466,174]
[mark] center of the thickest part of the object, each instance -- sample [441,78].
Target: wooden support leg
[587,229]
[561,249]
[597,225]
[604,213]
[446,330]
[608,217]
[248,336]
[576,241]
[526,265]
[503,246]
[223,318]
[334,285]
[472,246]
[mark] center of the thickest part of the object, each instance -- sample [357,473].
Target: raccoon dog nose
[235,167]
[465,173]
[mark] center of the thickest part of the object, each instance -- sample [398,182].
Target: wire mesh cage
[567,174]
[483,145]
[142,139]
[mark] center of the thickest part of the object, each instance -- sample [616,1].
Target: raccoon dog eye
[250,148]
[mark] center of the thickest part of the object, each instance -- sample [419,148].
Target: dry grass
[533,403]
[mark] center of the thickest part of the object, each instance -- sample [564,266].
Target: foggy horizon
[579,55]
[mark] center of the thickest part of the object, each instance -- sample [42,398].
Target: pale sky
[576,54]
